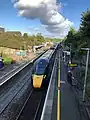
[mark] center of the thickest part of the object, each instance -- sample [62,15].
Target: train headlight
[44,76]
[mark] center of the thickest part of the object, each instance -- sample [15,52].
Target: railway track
[31,109]
[12,72]
[8,96]
[15,69]
[14,91]
[14,87]
[33,105]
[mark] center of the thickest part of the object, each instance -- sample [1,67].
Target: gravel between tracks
[8,95]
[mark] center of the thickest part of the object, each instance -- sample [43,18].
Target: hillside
[17,42]
[11,41]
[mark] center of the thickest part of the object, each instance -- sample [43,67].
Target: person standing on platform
[69,77]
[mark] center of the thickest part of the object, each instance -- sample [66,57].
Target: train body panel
[40,70]
[37,81]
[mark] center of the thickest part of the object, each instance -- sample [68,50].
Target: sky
[50,17]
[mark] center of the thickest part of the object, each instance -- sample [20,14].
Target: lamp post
[84,90]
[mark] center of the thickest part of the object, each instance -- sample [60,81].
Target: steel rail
[22,85]
[32,105]
[40,105]
[14,97]
[11,74]
[24,104]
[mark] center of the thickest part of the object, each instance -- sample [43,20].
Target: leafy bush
[7,60]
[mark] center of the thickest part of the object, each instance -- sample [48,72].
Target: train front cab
[39,74]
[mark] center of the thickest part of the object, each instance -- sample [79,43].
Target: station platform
[68,105]
[60,103]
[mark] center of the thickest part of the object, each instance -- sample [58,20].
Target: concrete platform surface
[68,107]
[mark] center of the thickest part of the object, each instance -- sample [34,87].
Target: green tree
[70,40]
[22,48]
[85,27]
[80,38]
[73,41]
[25,35]
[39,38]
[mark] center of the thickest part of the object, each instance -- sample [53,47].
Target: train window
[40,68]
[40,71]
[42,65]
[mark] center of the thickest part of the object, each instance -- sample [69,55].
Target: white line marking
[62,82]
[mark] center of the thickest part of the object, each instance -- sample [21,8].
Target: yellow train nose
[37,81]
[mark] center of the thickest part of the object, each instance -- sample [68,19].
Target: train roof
[44,60]
[45,57]
[47,54]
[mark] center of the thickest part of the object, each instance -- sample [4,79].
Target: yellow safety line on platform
[58,100]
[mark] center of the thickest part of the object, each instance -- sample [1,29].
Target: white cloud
[46,11]
[1,26]
[33,28]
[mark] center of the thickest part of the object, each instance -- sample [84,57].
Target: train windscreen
[40,67]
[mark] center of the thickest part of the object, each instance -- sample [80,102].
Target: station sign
[21,53]
[72,65]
